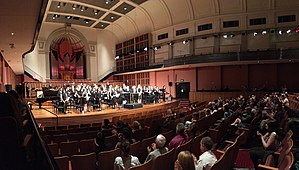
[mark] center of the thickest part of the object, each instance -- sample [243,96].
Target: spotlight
[185,41]
[255,34]
[280,32]
[83,8]
[297,30]
[170,43]
[112,17]
[155,48]
[58,6]
[145,49]
[108,1]
[125,8]
[225,36]
[86,21]
[75,6]
[264,32]
[231,35]
[117,57]
[289,31]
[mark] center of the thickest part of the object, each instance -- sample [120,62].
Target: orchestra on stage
[82,96]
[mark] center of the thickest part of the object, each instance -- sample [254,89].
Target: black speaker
[170,84]
[8,87]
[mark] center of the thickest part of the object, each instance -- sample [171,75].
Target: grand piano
[48,94]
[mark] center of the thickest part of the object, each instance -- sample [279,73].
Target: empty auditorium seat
[84,162]
[62,162]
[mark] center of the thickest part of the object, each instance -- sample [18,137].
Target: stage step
[184,103]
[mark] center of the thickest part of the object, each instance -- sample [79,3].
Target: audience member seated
[100,143]
[107,125]
[125,161]
[192,130]
[180,138]
[269,142]
[207,159]
[184,161]
[156,148]
[136,126]
[124,135]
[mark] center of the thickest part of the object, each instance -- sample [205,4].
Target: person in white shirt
[207,159]
[125,161]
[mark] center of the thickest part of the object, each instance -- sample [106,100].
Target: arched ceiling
[125,18]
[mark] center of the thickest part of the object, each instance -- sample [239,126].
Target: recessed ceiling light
[12,33]
[102,25]
[58,6]
[112,17]
[125,8]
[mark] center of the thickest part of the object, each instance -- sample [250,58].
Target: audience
[180,138]
[207,159]
[184,161]
[156,148]
[125,161]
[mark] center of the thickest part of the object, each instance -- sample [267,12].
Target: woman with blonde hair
[184,161]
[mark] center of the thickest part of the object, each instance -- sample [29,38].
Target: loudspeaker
[8,87]
[170,84]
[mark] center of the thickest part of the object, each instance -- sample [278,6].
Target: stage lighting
[280,32]
[225,36]
[289,31]
[255,34]
[145,49]
[264,32]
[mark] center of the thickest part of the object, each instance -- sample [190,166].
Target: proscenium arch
[57,33]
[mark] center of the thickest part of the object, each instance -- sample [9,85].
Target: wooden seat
[168,135]
[82,162]
[141,134]
[164,161]
[76,136]
[285,164]
[144,144]
[54,149]
[135,149]
[69,148]
[62,162]
[183,147]
[111,141]
[47,139]
[195,148]
[146,166]
[85,125]
[59,138]
[73,126]
[106,159]
[87,146]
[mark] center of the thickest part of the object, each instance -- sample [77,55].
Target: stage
[48,117]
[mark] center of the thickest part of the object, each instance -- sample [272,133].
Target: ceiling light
[125,8]
[231,35]
[185,41]
[86,21]
[68,17]
[255,34]
[95,12]
[112,17]
[58,6]
[75,6]
[108,1]
[117,57]
[280,32]
[83,8]
[289,31]
[155,48]
[170,43]
[12,33]
[145,49]
[102,25]
[225,36]
[264,32]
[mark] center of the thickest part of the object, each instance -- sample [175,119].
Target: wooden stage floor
[48,117]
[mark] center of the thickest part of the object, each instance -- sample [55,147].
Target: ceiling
[18,20]
[125,18]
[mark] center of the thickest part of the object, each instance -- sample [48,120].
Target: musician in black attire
[64,99]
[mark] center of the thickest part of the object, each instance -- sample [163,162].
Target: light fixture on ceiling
[12,34]
[96,11]
[185,41]
[225,36]
[264,32]
[289,31]
[60,4]
[170,43]
[112,17]
[255,34]
[55,16]
[297,30]
[125,8]
[145,49]
[75,6]
[83,8]
[102,25]
[280,32]
[86,21]
[68,17]
[108,1]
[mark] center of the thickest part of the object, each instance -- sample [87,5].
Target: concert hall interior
[144,84]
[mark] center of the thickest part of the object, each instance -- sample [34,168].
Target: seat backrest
[146,166]
[69,148]
[53,147]
[183,147]
[111,141]
[195,148]
[59,138]
[76,136]
[62,162]
[285,151]
[135,149]
[225,161]
[86,161]
[164,161]
[143,149]
[106,159]
[287,162]
[87,146]
[287,137]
